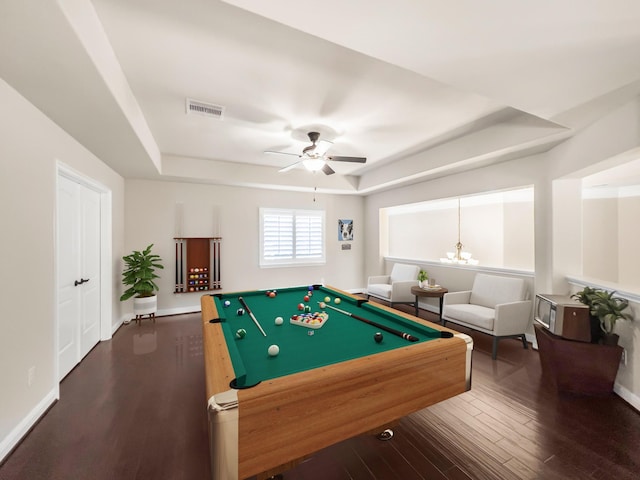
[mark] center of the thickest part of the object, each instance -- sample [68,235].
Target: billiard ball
[301,307]
[272,295]
[322,305]
[307,309]
[378,337]
[310,293]
[241,333]
[240,311]
[310,287]
[227,303]
[327,299]
[279,320]
[267,293]
[306,298]
[273,350]
[337,300]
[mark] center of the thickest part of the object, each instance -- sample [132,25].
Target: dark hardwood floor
[135,409]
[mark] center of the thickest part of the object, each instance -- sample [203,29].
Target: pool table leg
[223,439]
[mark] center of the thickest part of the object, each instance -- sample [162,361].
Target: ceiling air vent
[206,109]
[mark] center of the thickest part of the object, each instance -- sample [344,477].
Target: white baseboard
[179,310]
[115,327]
[20,430]
[129,317]
[629,397]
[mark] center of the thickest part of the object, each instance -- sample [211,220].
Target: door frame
[106,264]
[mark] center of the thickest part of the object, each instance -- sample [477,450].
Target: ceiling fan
[314,156]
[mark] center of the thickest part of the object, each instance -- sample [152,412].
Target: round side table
[429,292]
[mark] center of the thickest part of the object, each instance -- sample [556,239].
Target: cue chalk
[255,320]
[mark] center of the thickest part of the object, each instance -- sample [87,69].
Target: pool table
[330,381]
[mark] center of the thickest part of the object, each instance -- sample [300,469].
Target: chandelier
[459,257]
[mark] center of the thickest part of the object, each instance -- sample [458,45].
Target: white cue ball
[279,320]
[273,350]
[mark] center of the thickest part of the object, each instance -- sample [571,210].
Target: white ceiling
[422,88]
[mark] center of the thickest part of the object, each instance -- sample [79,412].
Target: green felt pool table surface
[340,338]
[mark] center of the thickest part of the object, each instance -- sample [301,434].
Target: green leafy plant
[139,273]
[609,309]
[604,305]
[422,276]
[586,296]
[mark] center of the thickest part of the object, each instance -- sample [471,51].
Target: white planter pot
[145,305]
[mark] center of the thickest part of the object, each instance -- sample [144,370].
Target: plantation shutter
[278,236]
[291,237]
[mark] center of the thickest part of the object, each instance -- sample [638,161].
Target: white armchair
[495,305]
[396,287]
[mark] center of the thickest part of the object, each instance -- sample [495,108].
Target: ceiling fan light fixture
[313,164]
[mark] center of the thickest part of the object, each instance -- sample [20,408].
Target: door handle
[82,280]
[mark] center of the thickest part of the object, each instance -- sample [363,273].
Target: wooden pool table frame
[266,428]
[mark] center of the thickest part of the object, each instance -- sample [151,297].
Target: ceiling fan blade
[338,158]
[288,167]
[327,170]
[322,146]
[282,153]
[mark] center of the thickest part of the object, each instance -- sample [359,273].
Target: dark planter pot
[596,331]
[610,339]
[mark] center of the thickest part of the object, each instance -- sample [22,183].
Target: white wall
[600,238]
[628,235]
[150,218]
[30,145]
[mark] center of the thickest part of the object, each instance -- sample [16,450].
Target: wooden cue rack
[197,264]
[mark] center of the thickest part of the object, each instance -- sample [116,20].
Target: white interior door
[89,254]
[78,271]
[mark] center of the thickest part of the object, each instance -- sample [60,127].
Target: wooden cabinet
[577,367]
[197,264]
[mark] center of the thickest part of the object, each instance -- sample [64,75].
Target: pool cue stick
[404,335]
[177,270]
[255,320]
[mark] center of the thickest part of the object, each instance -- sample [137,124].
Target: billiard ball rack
[310,320]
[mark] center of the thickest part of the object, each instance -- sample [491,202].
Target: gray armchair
[496,305]
[396,287]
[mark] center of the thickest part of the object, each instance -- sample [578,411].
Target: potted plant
[609,309]
[139,275]
[423,278]
[606,309]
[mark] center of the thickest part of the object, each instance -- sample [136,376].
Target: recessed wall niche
[197,264]
[197,256]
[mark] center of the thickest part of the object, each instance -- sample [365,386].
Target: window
[291,237]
